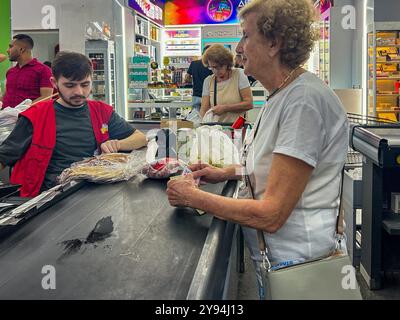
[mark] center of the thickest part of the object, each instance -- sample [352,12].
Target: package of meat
[164,168]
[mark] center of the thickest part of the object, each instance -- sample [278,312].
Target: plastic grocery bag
[194,116]
[211,145]
[164,168]
[10,115]
[210,116]
[106,168]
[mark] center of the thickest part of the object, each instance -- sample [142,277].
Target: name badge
[104,128]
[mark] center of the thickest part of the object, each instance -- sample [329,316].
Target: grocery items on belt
[105,168]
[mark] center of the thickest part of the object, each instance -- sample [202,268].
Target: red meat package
[164,168]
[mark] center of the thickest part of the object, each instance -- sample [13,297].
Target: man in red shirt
[29,79]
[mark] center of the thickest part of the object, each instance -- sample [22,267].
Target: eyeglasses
[215,67]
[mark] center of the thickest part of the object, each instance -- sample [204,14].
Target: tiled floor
[248,289]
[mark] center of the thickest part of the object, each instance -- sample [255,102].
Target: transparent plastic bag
[210,116]
[211,145]
[164,168]
[106,168]
[194,116]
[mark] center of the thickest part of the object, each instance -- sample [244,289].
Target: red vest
[30,170]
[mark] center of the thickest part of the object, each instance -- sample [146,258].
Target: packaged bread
[105,168]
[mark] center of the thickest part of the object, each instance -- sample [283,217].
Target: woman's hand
[208,173]
[219,109]
[180,190]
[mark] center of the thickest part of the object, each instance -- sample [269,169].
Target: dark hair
[47,63]
[218,54]
[71,65]
[25,39]
[206,47]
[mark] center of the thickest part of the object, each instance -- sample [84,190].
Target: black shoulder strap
[215,90]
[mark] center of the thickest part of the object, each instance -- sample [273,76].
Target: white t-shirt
[307,121]
[243,83]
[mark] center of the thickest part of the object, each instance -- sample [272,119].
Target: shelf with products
[141,26]
[180,42]
[142,36]
[324,72]
[155,33]
[383,73]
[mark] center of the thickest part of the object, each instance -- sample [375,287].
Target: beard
[13,58]
[70,100]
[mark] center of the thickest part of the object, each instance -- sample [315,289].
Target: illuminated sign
[186,12]
[219,10]
[151,9]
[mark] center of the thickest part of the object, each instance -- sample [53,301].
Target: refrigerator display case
[384,71]
[102,55]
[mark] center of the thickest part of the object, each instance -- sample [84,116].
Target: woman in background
[233,94]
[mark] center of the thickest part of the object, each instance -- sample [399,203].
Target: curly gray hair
[289,20]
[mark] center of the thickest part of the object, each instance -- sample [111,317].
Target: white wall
[358,52]
[341,48]
[71,18]
[27,15]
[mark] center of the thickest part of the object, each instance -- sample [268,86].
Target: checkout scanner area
[380,227]
[115,241]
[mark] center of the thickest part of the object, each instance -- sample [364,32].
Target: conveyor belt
[120,241]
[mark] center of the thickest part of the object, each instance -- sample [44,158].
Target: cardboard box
[178,124]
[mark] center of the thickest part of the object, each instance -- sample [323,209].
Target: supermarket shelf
[142,35]
[387,78]
[386,62]
[388,46]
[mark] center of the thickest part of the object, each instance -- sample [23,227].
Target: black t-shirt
[75,139]
[198,72]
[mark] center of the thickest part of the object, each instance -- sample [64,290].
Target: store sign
[325,5]
[221,32]
[49,17]
[151,9]
[182,42]
[181,34]
[185,12]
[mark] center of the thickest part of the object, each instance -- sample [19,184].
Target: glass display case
[161,103]
[102,55]
[384,72]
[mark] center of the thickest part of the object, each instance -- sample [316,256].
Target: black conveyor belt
[120,241]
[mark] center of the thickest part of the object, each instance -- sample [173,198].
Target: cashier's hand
[219,109]
[110,146]
[180,190]
[208,173]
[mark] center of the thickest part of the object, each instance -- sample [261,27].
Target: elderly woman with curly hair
[291,161]
[226,93]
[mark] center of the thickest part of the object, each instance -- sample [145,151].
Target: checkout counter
[5,131]
[119,241]
[380,231]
